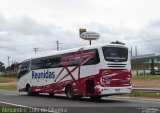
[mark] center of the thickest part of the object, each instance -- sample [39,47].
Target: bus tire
[70,92]
[77,97]
[29,91]
[96,98]
[51,94]
[35,93]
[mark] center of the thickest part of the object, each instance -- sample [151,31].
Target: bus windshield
[115,54]
[23,68]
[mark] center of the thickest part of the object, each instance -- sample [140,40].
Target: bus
[93,71]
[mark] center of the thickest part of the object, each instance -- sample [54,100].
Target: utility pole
[131,52]
[135,50]
[35,50]
[57,42]
[90,42]
[12,62]
[8,60]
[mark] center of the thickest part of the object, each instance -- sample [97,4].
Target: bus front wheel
[29,90]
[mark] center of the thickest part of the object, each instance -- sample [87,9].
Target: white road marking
[14,104]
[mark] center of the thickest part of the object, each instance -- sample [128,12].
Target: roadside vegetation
[8,74]
[8,88]
[7,79]
[145,81]
[146,77]
[8,82]
[144,94]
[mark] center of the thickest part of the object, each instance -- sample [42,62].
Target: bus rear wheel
[70,92]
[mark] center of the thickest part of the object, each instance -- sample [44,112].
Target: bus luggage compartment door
[89,86]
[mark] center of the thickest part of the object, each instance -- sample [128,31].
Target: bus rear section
[114,71]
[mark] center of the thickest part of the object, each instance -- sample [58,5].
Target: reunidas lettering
[45,74]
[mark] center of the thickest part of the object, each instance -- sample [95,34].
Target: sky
[28,24]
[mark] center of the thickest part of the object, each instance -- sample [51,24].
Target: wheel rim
[29,91]
[70,94]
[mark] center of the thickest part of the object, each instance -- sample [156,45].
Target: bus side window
[36,64]
[45,63]
[58,62]
[73,60]
[94,60]
[76,60]
[50,62]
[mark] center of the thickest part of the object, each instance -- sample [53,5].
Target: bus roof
[74,49]
[50,53]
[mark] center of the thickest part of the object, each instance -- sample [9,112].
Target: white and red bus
[93,71]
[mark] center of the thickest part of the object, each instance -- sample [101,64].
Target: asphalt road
[85,105]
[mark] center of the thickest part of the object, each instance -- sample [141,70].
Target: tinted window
[58,62]
[90,57]
[69,59]
[37,63]
[47,62]
[23,68]
[115,54]
[94,59]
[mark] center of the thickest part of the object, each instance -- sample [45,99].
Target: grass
[10,75]
[146,77]
[13,88]
[7,79]
[144,94]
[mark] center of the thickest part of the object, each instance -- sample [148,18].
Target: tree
[2,67]
[14,67]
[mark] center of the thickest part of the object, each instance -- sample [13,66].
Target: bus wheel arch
[27,86]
